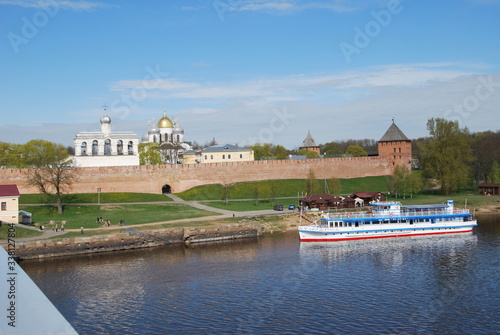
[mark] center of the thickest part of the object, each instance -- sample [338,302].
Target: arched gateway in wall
[166,189]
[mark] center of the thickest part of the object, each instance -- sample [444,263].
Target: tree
[261,151]
[405,182]
[9,155]
[356,151]
[312,155]
[51,170]
[494,176]
[149,154]
[256,191]
[486,150]
[333,153]
[312,185]
[335,186]
[280,152]
[447,154]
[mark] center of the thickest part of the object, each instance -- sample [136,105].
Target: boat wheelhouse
[389,219]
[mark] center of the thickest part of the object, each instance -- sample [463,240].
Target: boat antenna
[465,203]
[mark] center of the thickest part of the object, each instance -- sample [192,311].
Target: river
[278,285]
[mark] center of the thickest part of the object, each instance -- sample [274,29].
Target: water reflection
[388,252]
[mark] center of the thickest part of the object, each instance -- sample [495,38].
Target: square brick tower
[395,147]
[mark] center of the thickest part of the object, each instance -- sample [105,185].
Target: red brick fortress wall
[151,178]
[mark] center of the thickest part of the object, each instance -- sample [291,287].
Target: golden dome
[165,122]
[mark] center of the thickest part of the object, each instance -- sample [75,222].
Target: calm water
[420,285]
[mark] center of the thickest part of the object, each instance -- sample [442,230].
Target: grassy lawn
[20,232]
[91,198]
[86,215]
[282,188]
[474,200]
[249,205]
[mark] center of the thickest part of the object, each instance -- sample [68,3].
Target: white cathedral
[107,148]
[170,138]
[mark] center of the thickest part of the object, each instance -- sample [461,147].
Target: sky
[248,71]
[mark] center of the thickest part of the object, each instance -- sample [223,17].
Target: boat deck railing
[392,215]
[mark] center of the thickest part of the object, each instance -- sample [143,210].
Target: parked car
[291,207]
[278,207]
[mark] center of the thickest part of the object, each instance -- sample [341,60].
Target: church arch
[130,148]
[84,148]
[166,189]
[107,147]
[119,147]
[95,148]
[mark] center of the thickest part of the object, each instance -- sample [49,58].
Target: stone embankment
[133,239]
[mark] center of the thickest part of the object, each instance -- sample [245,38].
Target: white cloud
[281,6]
[151,84]
[297,87]
[70,5]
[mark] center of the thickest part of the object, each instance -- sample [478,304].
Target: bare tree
[51,170]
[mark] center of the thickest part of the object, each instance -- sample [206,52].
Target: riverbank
[127,238]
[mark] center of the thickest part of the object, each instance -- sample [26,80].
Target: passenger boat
[389,219]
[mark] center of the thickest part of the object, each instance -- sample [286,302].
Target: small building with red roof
[9,203]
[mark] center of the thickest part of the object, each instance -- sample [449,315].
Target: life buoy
[456,212]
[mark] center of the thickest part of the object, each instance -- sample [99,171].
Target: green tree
[51,170]
[226,192]
[149,154]
[405,182]
[312,185]
[312,155]
[10,155]
[256,192]
[280,152]
[356,151]
[261,151]
[335,186]
[333,153]
[495,173]
[446,155]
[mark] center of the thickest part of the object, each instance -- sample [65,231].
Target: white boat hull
[318,234]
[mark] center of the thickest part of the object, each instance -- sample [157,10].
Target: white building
[106,148]
[218,154]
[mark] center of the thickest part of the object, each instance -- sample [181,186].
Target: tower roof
[394,134]
[309,141]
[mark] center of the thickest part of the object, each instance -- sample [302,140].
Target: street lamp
[99,196]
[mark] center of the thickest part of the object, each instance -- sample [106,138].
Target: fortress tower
[395,146]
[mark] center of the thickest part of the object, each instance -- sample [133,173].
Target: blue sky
[248,71]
